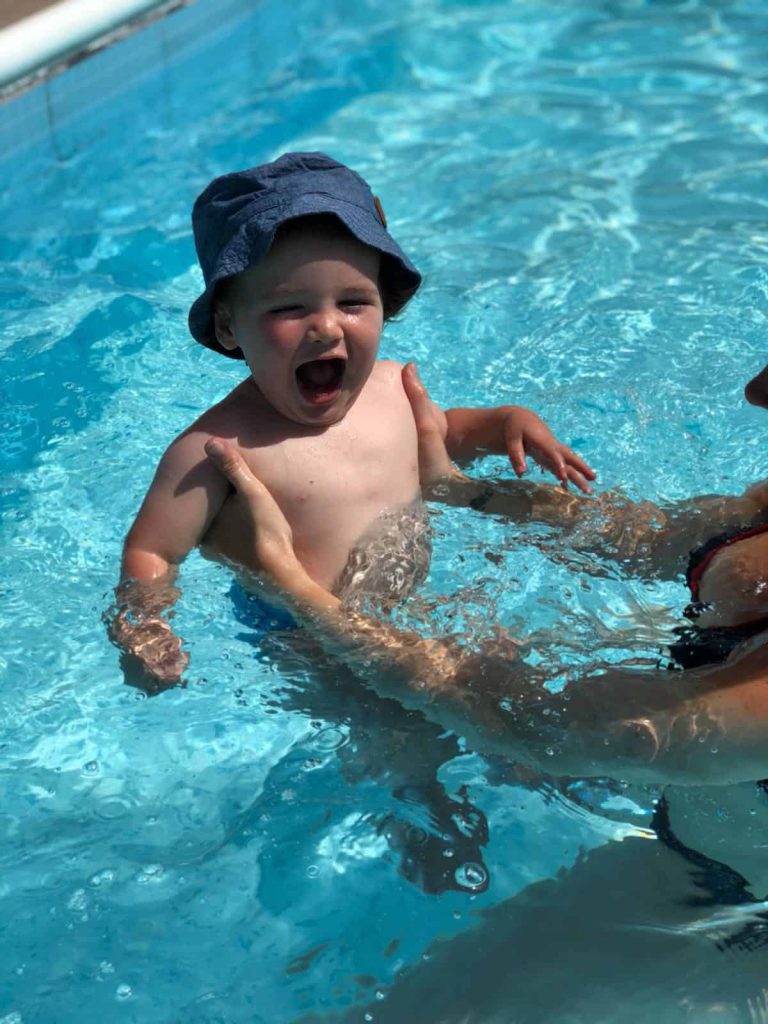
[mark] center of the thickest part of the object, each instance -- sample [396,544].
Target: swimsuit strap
[701,556]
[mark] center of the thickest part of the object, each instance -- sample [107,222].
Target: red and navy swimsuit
[710,645]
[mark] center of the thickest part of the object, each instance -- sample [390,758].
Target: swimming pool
[584,187]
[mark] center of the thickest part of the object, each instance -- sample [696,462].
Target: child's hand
[526,433]
[152,657]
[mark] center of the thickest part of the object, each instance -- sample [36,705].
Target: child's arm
[514,431]
[441,481]
[647,539]
[181,502]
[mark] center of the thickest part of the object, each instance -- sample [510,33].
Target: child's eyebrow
[266,293]
[364,288]
[281,290]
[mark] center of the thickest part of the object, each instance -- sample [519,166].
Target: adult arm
[709,726]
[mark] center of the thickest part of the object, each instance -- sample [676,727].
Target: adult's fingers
[234,467]
[262,515]
[421,403]
[434,463]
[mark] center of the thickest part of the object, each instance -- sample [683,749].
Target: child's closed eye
[287,310]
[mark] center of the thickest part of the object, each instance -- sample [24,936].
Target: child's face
[308,320]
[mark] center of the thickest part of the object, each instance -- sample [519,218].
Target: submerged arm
[689,728]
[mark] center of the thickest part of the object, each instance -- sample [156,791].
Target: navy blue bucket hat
[237,216]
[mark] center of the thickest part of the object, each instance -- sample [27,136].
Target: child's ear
[222,326]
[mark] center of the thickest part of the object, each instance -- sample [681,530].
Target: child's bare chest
[333,484]
[361,459]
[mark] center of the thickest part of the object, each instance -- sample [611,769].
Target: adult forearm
[638,726]
[706,727]
[396,663]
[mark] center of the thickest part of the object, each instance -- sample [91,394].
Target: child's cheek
[281,335]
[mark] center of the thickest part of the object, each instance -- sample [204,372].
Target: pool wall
[51,115]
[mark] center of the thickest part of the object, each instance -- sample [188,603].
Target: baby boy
[301,273]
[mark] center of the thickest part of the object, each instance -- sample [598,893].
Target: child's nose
[324,327]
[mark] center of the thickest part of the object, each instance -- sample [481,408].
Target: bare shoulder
[387,376]
[225,415]
[387,369]
[187,450]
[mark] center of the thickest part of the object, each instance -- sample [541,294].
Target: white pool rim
[61,32]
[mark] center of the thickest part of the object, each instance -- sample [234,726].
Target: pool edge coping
[45,44]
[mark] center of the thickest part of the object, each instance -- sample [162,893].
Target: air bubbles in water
[329,739]
[466,823]
[105,877]
[151,873]
[471,876]
[415,835]
[78,901]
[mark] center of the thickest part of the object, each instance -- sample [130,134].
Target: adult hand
[271,540]
[435,465]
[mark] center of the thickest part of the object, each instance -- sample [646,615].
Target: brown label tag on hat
[380,210]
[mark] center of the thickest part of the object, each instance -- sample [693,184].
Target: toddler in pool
[300,275]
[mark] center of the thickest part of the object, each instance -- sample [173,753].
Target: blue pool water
[583,185]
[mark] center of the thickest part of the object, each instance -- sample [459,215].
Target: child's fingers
[576,462]
[516,451]
[551,459]
[577,477]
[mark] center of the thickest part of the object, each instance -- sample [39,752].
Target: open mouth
[320,380]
